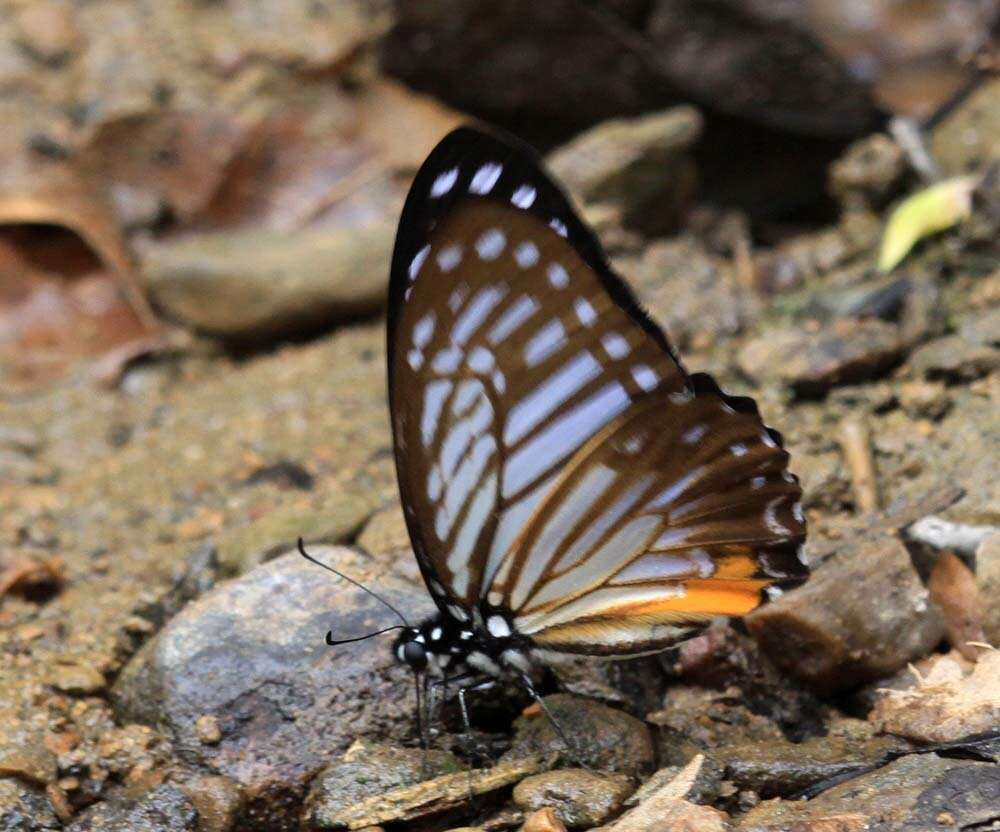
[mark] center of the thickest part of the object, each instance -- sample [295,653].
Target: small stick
[855,442]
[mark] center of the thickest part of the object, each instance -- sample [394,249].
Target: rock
[602,737]
[248,284]
[23,757]
[910,793]
[164,808]
[953,359]
[982,328]
[432,797]
[385,533]
[207,729]
[48,31]
[367,770]
[868,173]
[924,400]
[811,363]
[544,820]
[834,639]
[77,679]
[250,654]
[664,808]
[331,516]
[778,768]
[23,809]
[968,138]
[581,799]
[988,586]
[218,801]
[640,164]
[945,705]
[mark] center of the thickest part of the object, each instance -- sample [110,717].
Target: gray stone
[23,809]
[251,654]
[639,164]
[581,799]
[834,639]
[810,363]
[910,795]
[953,359]
[241,284]
[367,770]
[988,585]
[868,172]
[163,809]
[969,137]
[601,737]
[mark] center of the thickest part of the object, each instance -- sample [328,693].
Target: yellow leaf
[926,212]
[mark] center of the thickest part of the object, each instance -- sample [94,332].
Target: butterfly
[568,487]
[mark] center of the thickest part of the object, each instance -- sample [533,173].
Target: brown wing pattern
[679,511]
[511,356]
[554,458]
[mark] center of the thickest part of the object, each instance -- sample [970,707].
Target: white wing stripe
[540,402]
[563,436]
[587,492]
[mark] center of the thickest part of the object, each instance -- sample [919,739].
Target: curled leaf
[926,212]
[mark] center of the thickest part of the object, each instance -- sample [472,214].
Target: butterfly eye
[415,655]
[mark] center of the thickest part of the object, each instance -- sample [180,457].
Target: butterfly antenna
[361,586]
[333,642]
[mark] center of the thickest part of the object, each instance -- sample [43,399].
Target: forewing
[511,345]
[679,511]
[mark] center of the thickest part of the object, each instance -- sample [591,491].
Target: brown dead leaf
[23,574]
[946,704]
[952,587]
[58,195]
[544,820]
[666,808]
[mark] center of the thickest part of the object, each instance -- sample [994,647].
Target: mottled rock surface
[835,640]
[603,738]
[581,799]
[163,809]
[251,655]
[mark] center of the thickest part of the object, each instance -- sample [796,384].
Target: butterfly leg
[563,737]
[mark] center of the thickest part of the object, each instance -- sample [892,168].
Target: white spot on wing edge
[524,196]
[444,182]
[418,261]
[485,178]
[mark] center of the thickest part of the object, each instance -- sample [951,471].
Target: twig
[856,445]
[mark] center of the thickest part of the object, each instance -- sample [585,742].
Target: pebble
[367,770]
[634,163]
[250,654]
[601,737]
[866,175]
[23,809]
[810,363]
[909,793]
[207,729]
[988,586]
[953,359]
[580,799]
[218,801]
[835,640]
[77,679]
[164,808]
[253,283]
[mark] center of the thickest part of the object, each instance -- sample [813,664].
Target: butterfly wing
[679,511]
[515,355]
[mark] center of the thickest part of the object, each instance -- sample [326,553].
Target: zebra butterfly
[568,487]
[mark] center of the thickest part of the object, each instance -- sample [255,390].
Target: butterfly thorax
[444,647]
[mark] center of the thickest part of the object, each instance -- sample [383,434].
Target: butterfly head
[410,649]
